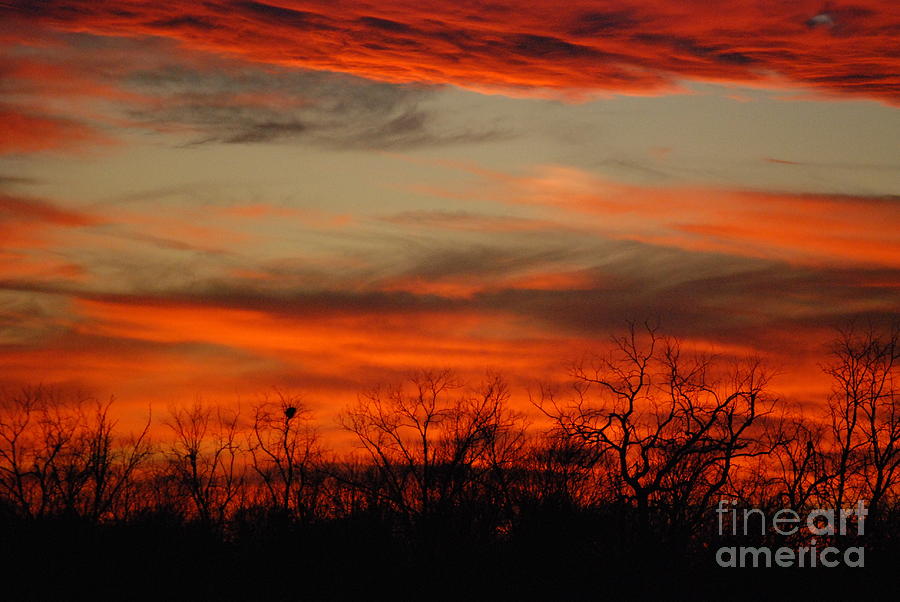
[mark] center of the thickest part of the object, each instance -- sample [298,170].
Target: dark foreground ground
[548,558]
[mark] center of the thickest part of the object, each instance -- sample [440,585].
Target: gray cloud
[250,106]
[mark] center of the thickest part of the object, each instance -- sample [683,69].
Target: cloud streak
[27,132]
[823,229]
[255,106]
[636,46]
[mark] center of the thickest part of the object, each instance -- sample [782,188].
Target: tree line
[632,455]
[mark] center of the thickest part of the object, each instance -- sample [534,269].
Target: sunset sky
[214,198]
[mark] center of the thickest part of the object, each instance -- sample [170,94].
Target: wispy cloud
[32,209]
[828,229]
[326,110]
[27,132]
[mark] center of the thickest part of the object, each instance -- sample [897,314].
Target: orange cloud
[467,286]
[22,132]
[160,351]
[18,266]
[810,229]
[33,227]
[634,46]
[332,340]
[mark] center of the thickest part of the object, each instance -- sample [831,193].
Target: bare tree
[398,429]
[864,412]
[285,453]
[58,458]
[674,426]
[111,463]
[204,457]
[798,463]
[481,442]
[431,442]
[33,432]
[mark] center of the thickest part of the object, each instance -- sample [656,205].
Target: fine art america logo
[814,532]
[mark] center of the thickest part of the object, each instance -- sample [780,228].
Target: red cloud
[631,45]
[22,132]
[30,224]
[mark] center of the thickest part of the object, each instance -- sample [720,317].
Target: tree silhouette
[432,444]
[621,473]
[204,459]
[864,412]
[672,427]
[285,453]
[57,457]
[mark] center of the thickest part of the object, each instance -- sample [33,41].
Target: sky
[216,198]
